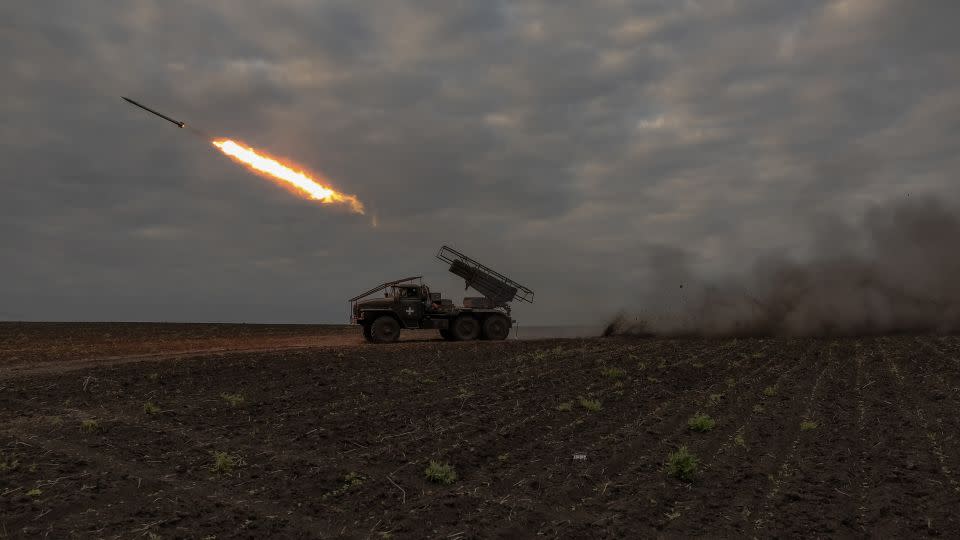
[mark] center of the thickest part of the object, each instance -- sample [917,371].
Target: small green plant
[409,372]
[440,473]
[808,425]
[770,391]
[235,400]
[613,372]
[224,462]
[350,481]
[701,422]
[758,408]
[731,383]
[153,376]
[427,380]
[641,366]
[503,457]
[566,406]
[543,354]
[591,405]
[150,408]
[353,479]
[89,426]
[682,464]
[35,492]
[8,463]
[739,440]
[714,399]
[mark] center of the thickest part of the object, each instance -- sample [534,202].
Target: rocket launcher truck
[409,303]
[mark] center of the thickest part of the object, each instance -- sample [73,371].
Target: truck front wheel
[385,329]
[465,328]
[496,327]
[366,332]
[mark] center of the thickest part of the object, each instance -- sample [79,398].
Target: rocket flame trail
[301,183]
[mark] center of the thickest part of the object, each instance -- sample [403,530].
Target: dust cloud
[896,270]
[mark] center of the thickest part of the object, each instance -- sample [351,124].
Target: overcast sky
[569,145]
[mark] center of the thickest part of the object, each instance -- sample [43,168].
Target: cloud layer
[568,144]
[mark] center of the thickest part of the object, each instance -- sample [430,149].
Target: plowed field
[301,435]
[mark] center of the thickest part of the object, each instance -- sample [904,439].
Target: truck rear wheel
[385,329]
[496,327]
[465,328]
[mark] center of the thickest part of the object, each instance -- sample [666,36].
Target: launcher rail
[492,284]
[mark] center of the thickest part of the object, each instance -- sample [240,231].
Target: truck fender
[369,315]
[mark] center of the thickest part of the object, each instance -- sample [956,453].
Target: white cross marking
[410,311]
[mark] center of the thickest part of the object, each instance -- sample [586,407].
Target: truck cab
[410,301]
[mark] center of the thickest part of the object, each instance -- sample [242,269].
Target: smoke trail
[898,270]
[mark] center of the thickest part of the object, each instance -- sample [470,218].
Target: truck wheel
[465,328]
[366,332]
[385,329]
[496,327]
[446,334]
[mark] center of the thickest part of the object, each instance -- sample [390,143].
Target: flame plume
[299,182]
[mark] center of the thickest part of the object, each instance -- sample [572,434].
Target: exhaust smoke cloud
[897,270]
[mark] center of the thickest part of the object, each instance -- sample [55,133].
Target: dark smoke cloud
[895,271]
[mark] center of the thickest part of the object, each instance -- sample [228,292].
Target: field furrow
[563,438]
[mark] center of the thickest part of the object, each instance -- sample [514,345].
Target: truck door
[411,308]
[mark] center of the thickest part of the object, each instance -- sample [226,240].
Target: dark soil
[32,343]
[332,439]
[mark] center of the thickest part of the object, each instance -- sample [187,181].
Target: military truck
[409,303]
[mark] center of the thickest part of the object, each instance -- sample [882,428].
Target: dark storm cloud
[586,149]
